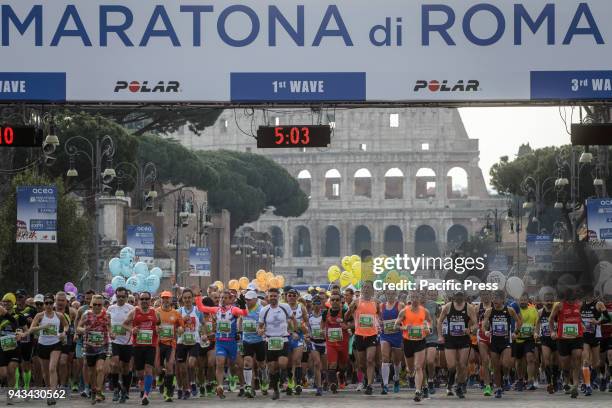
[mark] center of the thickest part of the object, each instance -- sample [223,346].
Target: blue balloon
[115,267]
[141,283]
[157,272]
[141,269]
[127,271]
[133,283]
[152,283]
[117,282]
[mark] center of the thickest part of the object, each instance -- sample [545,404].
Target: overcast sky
[502,130]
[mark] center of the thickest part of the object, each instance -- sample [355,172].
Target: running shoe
[116,395]
[418,396]
[369,390]
[459,392]
[220,392]
[588,391]
[498,393]
[487,391]
[385,390]
[319,392]
[194,390]
[574,392]
[334,388]
[396,387]
[145,399]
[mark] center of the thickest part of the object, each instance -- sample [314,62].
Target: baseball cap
[291,290]
[166,293]
[20,293]
[308,297]
[251,286]
[251,294]
[9,297]
[39,298]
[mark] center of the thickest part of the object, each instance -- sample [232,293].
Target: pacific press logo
[434,85]
[144,87]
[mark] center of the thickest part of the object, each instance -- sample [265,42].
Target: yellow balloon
[346,278]
[219,285]
[355,258]
[281,280]
[259,273]
[393,277]
[333,273]
[269,275]
[357,270]
[355,280]
[261,278]
[262,286]
[273,283]
[346,262]
[233,284]
[244,282]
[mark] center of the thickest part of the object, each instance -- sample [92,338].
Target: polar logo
[444,86]
[144,87]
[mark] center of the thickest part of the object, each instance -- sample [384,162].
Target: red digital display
[20,136]
[293,136]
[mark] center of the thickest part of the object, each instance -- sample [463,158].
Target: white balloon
[546,290]
[607,289]
[515,287]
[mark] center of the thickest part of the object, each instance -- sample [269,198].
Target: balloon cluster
[135,277]
[262,282]
[355,272]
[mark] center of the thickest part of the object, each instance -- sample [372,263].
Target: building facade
[393,180]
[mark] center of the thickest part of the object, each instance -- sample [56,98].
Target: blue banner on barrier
[571,85]
[33,86]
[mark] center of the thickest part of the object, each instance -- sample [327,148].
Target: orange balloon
[274,283]
[260,273]
[233,284]
[269,275]
[262,286]
[219,284]
[281,280]
[243,282]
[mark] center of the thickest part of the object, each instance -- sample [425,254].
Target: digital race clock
[293,136]
[20,136]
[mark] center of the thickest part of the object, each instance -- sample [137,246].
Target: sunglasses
[291,295]
[145,299]
[335,300]
[121,296]
[98,304]
[39,303]
[48,303]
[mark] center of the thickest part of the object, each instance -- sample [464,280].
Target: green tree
[59,263]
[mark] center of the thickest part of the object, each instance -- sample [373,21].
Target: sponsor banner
[407,51]
[539,250]
[37,214]
[142,239]
[599,220]
[32,86]
[199,261]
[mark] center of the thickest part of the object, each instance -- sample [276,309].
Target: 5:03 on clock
[293,136]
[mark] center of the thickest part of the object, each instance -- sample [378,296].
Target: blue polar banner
[599,220]
[227,51]
[142,239]
[37,214]
[199,261]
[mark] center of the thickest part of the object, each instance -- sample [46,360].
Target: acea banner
[142,239]
[292,51]
[540,250]
[599,220]
[199,261]
[37,214]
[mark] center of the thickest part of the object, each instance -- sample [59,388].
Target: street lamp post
[182,210]
[146,174]
[104,149]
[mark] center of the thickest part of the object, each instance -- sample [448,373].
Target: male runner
[253,344]
[171,325]
[390,341]
[121,346]
[9,348]
[523,348]
[296,342]
[543,330]
[25,314]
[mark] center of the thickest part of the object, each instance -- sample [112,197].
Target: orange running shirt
[366,321]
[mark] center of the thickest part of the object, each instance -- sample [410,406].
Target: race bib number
[224,326]
[545,330]
[8,343]
[249,326]
[95,338]
[50,331]
[389,326]
[500,329]
[144,337]
[166,331]
[334,334]
[189,338]
[415,332]
[118,330]
[366,321]
[570,331]
[275,343]
[241,348]
[209,327]
[457,329]
[317,333]
[526,330]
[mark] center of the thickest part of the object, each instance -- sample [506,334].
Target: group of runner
[282,342]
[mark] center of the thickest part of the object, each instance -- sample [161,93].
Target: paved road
[475,399]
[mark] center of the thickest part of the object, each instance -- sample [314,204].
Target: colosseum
[393,180]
